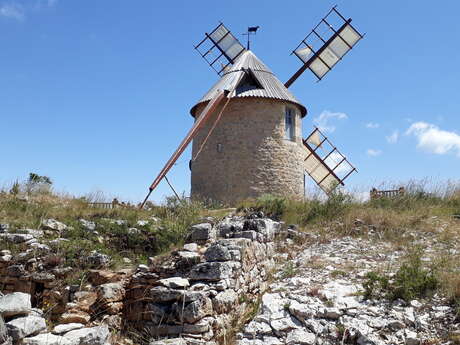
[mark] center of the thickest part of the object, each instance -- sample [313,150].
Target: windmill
[247,135]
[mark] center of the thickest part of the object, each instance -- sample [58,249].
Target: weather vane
[252,30]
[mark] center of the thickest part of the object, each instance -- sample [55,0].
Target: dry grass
[116,240]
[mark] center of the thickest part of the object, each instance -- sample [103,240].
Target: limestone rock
[214,271]
[202,232]
[60,329]
[111,292]
[24,326]
[142,222]
[175,341]
[53,224]
[300,337]
[196,310]
[191,247]
[188,259]
[4,338]
[16,238]
[88,225]
[98,335]
[161,294]
[16,303]
[98,260]
[46,339]
[174,283]
[217,252]
[225,301]
[43,277]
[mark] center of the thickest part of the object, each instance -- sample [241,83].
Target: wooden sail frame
[324,163]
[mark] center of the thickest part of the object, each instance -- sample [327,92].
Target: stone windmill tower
[256,148]
[247,135]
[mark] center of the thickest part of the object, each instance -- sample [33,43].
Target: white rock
[64,328]
[16,238]
[88,336]
[46,339]
[285,324]
[175,283]
[301,311]
[191,247]
[175,341]
[300,337]
[16,303]
[143,268]
[416,304]
[411,338]
[24,326]
[53,224]
[142,222]
[254,329]
[273,305]
[272,341]
[87,224]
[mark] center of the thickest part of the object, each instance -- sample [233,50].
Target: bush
[412,280]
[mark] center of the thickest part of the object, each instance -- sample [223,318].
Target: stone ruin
[202,292]
[195,296]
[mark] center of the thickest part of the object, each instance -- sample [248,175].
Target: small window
[290,124]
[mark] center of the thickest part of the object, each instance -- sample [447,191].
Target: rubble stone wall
[207,286]
[247,154]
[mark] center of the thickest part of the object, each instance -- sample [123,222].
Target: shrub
[375,285]
[412,280]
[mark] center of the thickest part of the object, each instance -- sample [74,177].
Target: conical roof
[270,85]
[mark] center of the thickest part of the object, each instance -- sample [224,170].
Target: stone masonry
[202,290]
[247,155]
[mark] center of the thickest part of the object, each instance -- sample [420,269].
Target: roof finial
[252,30]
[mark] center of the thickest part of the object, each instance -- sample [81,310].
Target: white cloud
[393,138]
[13,11]
[373,153]
[372,125]
[432,139]
[322,121]
[18,9]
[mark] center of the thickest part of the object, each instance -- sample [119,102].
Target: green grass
[115,240]
[414,279]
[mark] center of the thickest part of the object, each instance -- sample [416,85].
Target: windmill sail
[324,163]
[325,45]
[220,49]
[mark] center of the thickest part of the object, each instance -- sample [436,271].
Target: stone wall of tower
[247,155]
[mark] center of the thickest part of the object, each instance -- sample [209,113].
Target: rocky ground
[317,298]
[314,296]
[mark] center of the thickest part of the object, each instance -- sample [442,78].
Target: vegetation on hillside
[406,221]
[119,234]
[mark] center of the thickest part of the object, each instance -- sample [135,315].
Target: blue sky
[96,94]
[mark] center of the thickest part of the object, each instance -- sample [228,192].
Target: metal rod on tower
[252,30]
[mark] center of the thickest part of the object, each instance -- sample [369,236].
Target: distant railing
[393,193]
[109,205]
